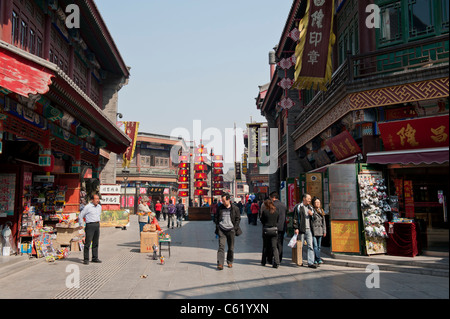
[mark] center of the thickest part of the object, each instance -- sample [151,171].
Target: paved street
[190,273]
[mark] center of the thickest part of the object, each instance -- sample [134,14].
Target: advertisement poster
[345,236]
[7,194]
[314,185]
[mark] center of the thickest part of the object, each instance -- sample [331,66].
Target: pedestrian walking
[269,220]
[249,211]
[171,214]
[303,213]
[255,211]
[164,210]
[180,212]
[158,208]
[282,225]
[319,229]
[227,223]
[90,216]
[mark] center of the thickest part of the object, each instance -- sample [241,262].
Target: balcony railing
[407,57]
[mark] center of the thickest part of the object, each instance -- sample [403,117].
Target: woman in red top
[255,210]
[158,207]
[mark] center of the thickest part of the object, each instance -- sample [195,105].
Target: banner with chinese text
[414,134]
[343,146]
[313,68]
[131,130]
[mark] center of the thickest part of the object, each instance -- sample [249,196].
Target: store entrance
[430,190]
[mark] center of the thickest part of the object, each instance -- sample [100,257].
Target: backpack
[171,209]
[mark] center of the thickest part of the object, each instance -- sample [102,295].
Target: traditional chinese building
[382,98]
[152,170]
[58,106]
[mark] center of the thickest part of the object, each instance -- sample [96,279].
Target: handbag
[149,228]
[270,231]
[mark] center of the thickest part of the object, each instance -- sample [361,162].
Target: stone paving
[190,273]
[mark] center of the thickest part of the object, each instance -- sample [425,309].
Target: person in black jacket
[227,222]
[180,212]
[282,211]
[269,219]
[303,227]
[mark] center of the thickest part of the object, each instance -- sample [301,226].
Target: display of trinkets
[374,207]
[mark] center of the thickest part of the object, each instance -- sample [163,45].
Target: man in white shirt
[91,213]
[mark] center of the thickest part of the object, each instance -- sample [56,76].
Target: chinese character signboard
[414,134]
[345,236]
[343,192]
[343,146]
[314,66]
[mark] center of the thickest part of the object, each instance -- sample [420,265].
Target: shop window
[421,20]
[39,47]
[391,23]
[145,161]
[32,42]
[15,27]
[23,35]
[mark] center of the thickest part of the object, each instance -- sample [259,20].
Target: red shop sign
[343,146]
[414,134]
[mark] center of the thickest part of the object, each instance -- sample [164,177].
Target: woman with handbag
[144,212]
[269,219]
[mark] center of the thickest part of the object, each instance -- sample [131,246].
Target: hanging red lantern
[183,172]
[201,184]
[183,186]
[200,176]
[218,165]
[183,179]
[183,194]
[200,167]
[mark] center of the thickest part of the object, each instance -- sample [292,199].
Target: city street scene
[223,158]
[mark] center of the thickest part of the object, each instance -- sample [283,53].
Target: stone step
[397,267]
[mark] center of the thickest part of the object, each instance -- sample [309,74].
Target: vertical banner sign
[131,130]
[313,67]
[237,170]
[253,142]
[409,199]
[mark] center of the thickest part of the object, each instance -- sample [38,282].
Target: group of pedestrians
[170,212]
[309,225]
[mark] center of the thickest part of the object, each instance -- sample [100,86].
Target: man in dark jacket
[180,212]
[282,211]
[227,221]
[303,213]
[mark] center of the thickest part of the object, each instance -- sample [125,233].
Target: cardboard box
[297,253]
[65,235]
[148,239]
[75,245]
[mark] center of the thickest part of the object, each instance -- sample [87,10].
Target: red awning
[23,77]
[417,156]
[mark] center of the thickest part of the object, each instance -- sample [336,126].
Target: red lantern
[218,158]
[183,179]
[183,172]
[217,171]
[218,165]
[218,185]
[183,194]
[218,193]
[183,186]
[200,192]
[200,167]
[183,165]
[200,176]
[201,184]
[200,159]
[183,158]
[218,178]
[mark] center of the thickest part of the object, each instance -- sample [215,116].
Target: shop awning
[418,156]
[23,77]
[349,160]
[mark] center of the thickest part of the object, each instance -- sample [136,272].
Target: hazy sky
[194,60]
